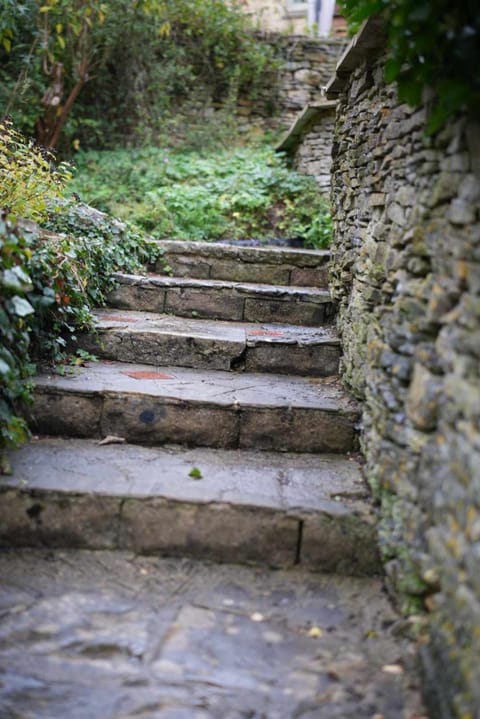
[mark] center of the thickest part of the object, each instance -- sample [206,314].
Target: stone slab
[154,339]
[110,635]
[224,300]
[271,255]
[199,407]
[236,506]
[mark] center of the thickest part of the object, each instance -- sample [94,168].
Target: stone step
[221,300]
[235,506]
[197,407]
[267,265]
[155,339]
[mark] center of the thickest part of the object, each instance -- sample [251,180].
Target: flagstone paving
[111,635]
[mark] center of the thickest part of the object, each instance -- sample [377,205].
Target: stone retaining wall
[406,274]
[306,65]
[308,143]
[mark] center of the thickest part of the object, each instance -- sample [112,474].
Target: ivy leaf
[16,278]
[4,368]
[21,306]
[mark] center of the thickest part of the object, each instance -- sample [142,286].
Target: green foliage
[76,268]
[241,193]
[28,180]
[49,281]
[102,71]
[432,44]
[15,322]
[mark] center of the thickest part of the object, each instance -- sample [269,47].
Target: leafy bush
[100,72]
[434,44]
[28,179]
[247,193]
[48,282]
[15,323]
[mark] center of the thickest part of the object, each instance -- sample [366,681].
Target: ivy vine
[431,44]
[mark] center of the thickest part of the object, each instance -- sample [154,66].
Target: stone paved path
[214,428]
[110,635]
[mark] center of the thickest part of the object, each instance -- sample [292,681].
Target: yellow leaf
[76,144]
[45,8]
[315,632]
[59,27]
[392,669]
[6,44]
[61,42]
[164,29]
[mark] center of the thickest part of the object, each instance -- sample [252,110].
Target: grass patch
[241,194]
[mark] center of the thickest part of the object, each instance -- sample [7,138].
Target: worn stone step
[197,407]
[222,300]
[114,635]
[156,339]
[268,265]
[236,506]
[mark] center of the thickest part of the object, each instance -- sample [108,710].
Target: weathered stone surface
[199,406]
[218,299]
[296,311]
[154,339]
[267,265]
[238,506]
[218,532]
[56,413]
[320,360]
[55,518]
[348,545]
[106,635]
[307,431]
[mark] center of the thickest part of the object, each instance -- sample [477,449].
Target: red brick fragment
[266,333]
[147,374]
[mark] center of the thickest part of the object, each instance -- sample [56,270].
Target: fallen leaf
[315,632]
[392,669]
[195,473]
[112,439]
[257,617]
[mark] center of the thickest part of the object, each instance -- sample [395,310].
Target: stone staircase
[214,427]
[235,392]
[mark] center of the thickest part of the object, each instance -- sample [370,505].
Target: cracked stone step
[235,506]
[197,407]
[267,265]
[222,300]
[155,339]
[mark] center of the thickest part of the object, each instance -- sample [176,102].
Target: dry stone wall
[406,274]
[305,66]
[314,154]
[308,143]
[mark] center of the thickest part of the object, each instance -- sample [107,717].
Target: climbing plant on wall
[432,44]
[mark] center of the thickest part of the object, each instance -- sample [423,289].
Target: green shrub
[48,282]
[244,193]
[103,72]
[29,182]
[15,325]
